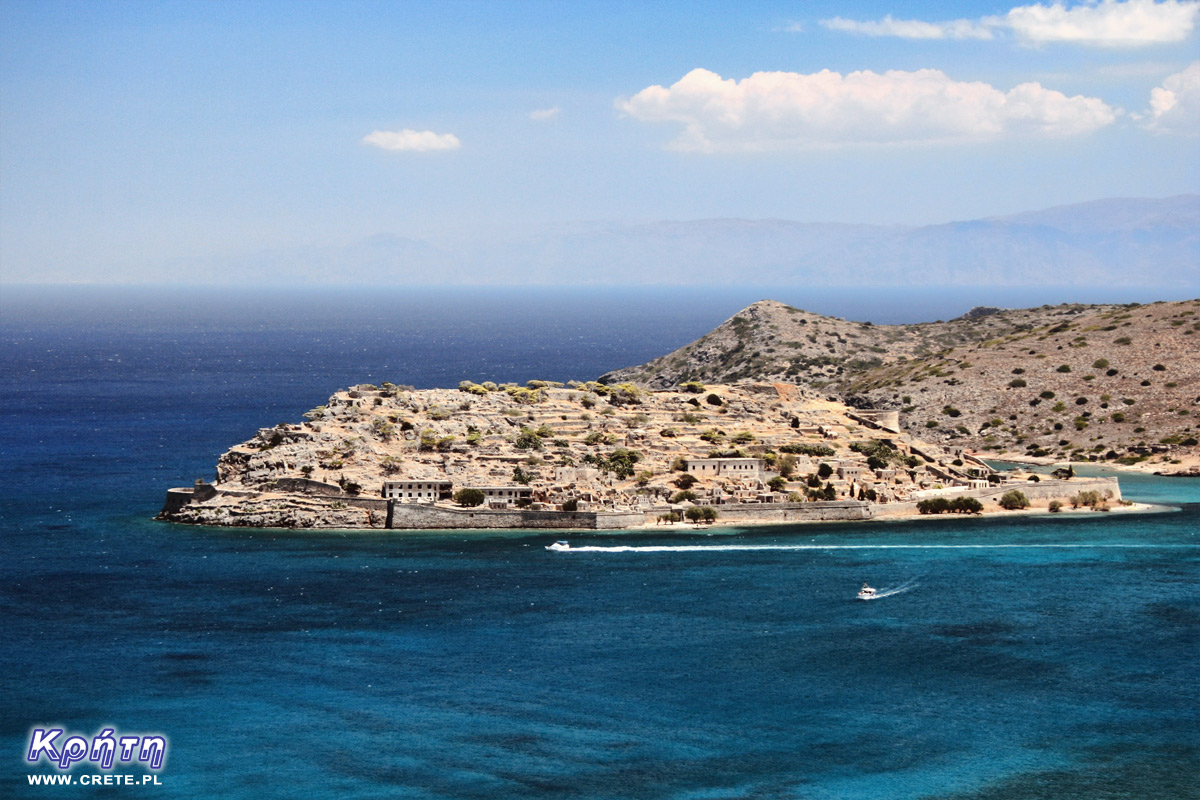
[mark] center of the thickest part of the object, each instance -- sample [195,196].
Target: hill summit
[1117,383]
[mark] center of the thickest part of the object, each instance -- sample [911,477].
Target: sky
[138,136]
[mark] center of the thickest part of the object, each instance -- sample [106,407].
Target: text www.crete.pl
[94,780]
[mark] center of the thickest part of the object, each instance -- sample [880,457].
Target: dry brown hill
[1087,382]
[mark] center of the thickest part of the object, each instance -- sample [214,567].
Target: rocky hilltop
[587,455]
[1117,383]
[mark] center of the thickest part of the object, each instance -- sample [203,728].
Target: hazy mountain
[1121,242]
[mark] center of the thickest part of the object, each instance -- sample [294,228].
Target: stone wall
[414,516]
[821,511]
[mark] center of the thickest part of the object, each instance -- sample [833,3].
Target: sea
[1049,656]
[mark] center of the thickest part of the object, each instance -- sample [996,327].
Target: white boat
[866,593]
[561,544]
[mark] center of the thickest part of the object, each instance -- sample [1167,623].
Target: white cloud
[911,28]
[544,114]
[1108,23]
[407,139]
[1175,106]
[787,110]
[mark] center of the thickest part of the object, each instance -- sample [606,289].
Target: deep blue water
[1050,657]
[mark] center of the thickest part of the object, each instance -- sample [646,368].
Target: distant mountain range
[1129,242]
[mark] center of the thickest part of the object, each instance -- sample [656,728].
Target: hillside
[548,455]
[1117,383]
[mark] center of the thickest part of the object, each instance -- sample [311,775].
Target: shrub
[1047,395]
[1064,368]
[1055,506]
[469,497]
[681,496]
[1018,383]
[686,481]
[824,470]
[528,439]
[1013,500]
[571,505]
[778,483]
[714,400]
[817,450]
[692,387]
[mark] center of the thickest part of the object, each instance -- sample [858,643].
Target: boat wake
[891,590]
[700,548]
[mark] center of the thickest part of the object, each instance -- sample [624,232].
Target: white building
[725,467]
[426,491]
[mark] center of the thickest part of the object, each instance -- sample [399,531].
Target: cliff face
[1118,383]
[586,449]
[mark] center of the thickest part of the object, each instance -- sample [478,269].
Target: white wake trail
[698,548]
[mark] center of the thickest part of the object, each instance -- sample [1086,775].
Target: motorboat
[561,544]
[866,593]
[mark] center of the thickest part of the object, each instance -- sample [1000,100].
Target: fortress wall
[820,511]
[423,517]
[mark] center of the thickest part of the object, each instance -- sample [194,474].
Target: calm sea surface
[1051,657]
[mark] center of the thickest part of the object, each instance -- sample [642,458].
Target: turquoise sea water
[1029,657]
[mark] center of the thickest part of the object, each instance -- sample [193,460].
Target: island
[591,455]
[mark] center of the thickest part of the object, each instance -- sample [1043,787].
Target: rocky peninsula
[600,456]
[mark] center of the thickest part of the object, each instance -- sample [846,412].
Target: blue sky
[136,135]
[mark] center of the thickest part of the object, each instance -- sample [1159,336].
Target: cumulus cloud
[407,139]
[544,114]
[1175,106]
[1108,23]
[787,110]
[911,28]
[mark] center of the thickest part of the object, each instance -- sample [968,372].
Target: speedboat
[561,544]
[866,593]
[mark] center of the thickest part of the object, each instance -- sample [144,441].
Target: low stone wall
[414,516]
[306,486]
[820,511]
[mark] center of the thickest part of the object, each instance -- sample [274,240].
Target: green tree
[966,505]
[778,483]
[469,497]
[1014,500]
